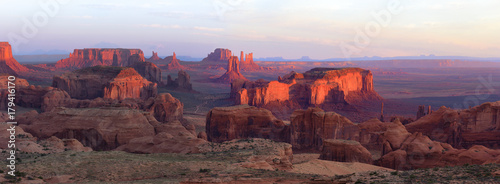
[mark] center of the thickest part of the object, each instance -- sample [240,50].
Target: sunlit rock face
[81,58]
[8,64]
[105,82]
[314,87]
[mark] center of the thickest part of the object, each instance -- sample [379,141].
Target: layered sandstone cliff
[314,87]
[233,71]
[239,122]
[106,82]
[478,125]
[81,58]
[8,64]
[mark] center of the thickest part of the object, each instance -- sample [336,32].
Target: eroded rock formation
[309,128]
[154,57]
[106,82]
[233,71]
[173,63]
[165,108]
[478,125]
[170,137]
[8,64]
[149,71]
[418,151]
[314,87]
[81,58]
[345,151]
[218,55]
[247,64]
[238,122]
[98,128]
[181,83]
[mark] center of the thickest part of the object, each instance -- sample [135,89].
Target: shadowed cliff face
[8,64]
[315,87]
[81,58]
[107,82]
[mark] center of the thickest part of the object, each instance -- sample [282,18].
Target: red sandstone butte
[154,57]
[105,82]
[233,72]
[8,64]
[247,64]
[218,55]
[314,87]
[81,58]
[173,63]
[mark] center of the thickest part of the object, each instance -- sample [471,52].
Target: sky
[319,29]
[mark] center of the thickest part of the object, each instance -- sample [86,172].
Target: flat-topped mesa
[8,64]
[154,57]
[233,71]
[81,58]
[314,87]
[105,82]
[218,55]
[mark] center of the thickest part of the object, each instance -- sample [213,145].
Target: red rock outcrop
[173,63]
[478,125]
[418,151]
[345,151]
[106,82]
[81,58]
[315,87]
[309,128]
[233,72]
[181,83]
[218,55]
[149,71]
[98,128]
[4,79]
[238,122]
[164,107]
[8,64]
[247,64]
[154,57]
[170,137]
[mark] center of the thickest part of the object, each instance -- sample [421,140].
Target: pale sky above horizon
[291,29]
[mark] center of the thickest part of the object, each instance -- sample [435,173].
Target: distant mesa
[233,71]
[318,86]
[81,58]
[105,82]
[8,64]
[220,56]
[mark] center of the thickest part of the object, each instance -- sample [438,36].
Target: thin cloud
[161,26]
[208,29]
